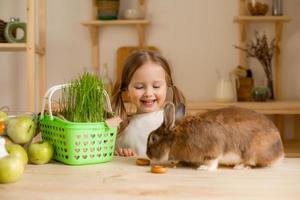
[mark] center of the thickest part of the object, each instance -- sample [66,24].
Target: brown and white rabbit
[231,136]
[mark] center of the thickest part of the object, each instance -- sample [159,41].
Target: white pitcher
[225,89]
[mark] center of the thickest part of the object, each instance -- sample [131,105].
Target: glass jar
[132,9]
[260,94]
[108,9]
[257,7]
[277,8]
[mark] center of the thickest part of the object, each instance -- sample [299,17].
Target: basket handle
[49,93]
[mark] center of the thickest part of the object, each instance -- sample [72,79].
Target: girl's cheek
[134,92]
[163,94]
[138,94]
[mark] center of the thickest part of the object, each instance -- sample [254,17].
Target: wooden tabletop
[122,179]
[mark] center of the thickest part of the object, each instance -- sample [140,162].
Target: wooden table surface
[122,179]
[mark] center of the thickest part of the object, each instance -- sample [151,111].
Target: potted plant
[260,49]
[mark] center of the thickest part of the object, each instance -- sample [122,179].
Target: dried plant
[263,52]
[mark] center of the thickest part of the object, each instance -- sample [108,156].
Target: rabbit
[231,136]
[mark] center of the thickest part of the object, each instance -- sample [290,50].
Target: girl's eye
[138,87]
[157,85]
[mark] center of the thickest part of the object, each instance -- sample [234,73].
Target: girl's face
[147,88]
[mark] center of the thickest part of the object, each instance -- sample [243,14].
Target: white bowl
[132,14]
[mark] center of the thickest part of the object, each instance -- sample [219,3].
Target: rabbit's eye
[153,139]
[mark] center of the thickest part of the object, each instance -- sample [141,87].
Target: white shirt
[135,135]
[3,151]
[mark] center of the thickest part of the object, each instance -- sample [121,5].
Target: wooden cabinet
[33,46]
[95,26]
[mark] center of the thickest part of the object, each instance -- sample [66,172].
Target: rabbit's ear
[169,115]
[180,112]
[169,95]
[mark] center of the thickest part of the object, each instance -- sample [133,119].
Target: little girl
[147,80]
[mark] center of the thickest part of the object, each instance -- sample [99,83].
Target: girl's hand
[124,152]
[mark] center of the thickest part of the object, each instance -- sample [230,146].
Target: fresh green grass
[83,101]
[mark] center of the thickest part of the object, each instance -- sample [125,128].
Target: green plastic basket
[77,143]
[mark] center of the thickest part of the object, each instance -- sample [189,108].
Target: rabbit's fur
[231,136]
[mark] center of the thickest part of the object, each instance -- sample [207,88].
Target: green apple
[11,169]
[3,116]
[18,151]
[21,129]
[40,152]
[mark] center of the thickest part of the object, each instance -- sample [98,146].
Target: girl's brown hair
[132,63]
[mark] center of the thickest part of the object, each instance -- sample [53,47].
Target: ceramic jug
[225,89]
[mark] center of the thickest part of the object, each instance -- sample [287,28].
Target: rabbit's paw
[241,166]
[203,167]
[212,165]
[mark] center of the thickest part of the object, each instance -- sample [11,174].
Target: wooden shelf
[12,46]
[115,22]
[243,19]
[94,29]
[246,18]
[34,9]
[94,26]
[271,107]
[292,148]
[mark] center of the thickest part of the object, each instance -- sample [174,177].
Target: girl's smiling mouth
[149,102]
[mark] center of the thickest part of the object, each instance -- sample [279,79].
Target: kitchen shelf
[243,19]
[269,107]
[12,46]
[278,107]
[115,22]
[19,47]
[291,148]
[31,48]
[246,18]
[94,26]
